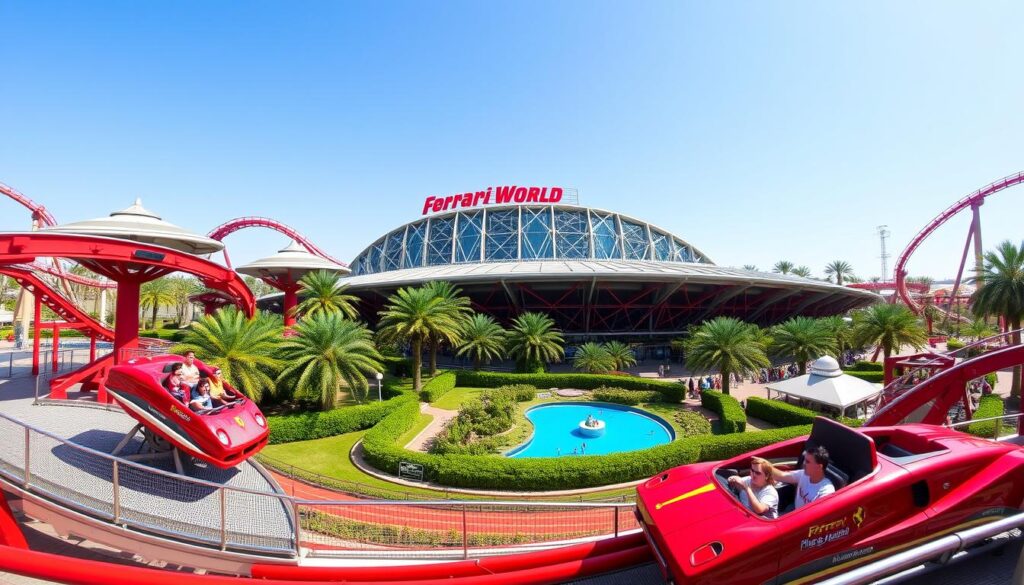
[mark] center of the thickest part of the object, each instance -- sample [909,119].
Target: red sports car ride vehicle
[224,436]
[896,487]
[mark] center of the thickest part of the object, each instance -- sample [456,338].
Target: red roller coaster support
[973,201]
[229,227]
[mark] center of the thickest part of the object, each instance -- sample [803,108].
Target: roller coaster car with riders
[896,487]
[224,436]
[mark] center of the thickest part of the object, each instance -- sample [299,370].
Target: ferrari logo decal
[858,516]
[239,421]
[701,490]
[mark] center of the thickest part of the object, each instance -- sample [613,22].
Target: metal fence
[150,500]
[18,364]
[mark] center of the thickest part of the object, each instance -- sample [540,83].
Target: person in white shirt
[757,492]
[190,371]
[810,481]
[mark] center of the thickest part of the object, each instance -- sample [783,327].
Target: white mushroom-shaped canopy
[293,259]
[826,366]
[138,224]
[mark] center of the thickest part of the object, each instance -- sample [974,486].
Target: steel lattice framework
[222,231]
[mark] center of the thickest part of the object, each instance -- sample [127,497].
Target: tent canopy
[827,384]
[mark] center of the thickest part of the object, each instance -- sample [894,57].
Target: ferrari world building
[597,273]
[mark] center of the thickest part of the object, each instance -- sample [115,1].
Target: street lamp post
[380,377]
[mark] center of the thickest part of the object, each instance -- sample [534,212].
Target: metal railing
[153,501]
[996,426]
[17,364]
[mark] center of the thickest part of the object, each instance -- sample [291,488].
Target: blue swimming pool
[557,432]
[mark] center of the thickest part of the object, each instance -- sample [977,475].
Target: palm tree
[802,271]
[977,329]
[534,340]
[727,345]
[457,305]
[327,353]
[840,270]
[181,289]
[889,326]
[593,358]
[783,267]
[839,328]
[244,349]
[155,294]
[621,353]
[323,292]
[482,338]
[258,287]
[803,339]
[1000,293]
[413,314]
[750,267]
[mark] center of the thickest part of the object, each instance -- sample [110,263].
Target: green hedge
[437,387]
[953,344]
[989,406]
[497,472]
[176,336]
[779,413]
[672,391]
[518,392]
[876,377]
[731,416]
[628,397]
[863,366]
[692,424]
[346,419]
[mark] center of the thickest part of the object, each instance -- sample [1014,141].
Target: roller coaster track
[220,232]
[25,276]
[972,200]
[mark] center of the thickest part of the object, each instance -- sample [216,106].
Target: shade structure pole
[291,300]
[126,320]
[37,319]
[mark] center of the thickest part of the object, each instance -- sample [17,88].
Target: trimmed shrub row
[863,366]
[518,392]
[730,414]
[783,414]
[672,391]
[317,425]
[692,424]
[875,377]
[495,472]
[628,397]
[440,385]
[989,406]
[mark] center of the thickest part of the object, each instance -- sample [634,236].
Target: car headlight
[223,438]
[260,420]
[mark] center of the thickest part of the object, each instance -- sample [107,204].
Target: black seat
[851,453]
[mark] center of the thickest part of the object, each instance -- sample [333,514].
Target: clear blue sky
[758,131]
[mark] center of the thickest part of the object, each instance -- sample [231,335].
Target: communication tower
[883,235]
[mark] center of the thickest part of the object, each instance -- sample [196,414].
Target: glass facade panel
[414,237]
[637,245]
[393,251]
[536,233]
[467,246]
[682,252]
[571,234]
[439,251]
[606,236]
[376,252]
[662,246]
[502,235]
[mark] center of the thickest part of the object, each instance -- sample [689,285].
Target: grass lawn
[415,430]
[456,397]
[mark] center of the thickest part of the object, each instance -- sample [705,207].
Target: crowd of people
[203,390]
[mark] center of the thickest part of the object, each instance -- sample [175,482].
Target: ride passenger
[810,481]
[201,396]
[174,382]
[757,492]
[190,371]
[217,391]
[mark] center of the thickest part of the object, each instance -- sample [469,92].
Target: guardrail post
[116,477]
[298,529]
[28,473]
[223,520]
[465,535]
[615,510]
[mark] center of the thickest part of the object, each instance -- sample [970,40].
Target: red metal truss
[972,200]
[220,232]
[63,308]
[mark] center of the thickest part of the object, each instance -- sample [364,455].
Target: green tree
[534,340]
[888,326]
[413,314]
[323,292]
[802,271]
[978,329]
[750,267]
[727,345]
[593,358]
[181,288]
[621,353]
[482,338]
[457,306]
[783,267]
[244,349]
[327,353]
[258,287]
[803,339]
[1000,293]
[839,270]
[841,331]
[155,294]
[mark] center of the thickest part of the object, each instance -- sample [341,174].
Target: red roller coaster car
[896,487]
[224,436]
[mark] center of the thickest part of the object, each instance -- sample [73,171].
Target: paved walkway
[423,440]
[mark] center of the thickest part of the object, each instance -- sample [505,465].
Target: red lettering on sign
[438,202]
[504,194]
[520,195]
[532,194]
[426,204]
[556,194]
